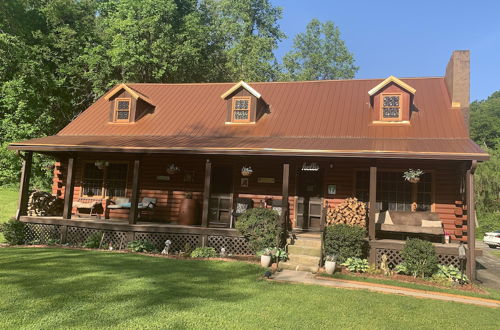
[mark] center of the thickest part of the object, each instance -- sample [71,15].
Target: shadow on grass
[73,280]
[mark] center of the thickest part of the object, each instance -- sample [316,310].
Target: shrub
[401,269]
[419,257]
[356,265]
[452,273]
[13,231]
[93,241]
[261,227]
[344,241]
[204,252]
[141,245]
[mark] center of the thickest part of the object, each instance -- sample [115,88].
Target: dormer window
[122,110]
[241,109]
[391,107]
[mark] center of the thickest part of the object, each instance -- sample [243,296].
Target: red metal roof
[306,117]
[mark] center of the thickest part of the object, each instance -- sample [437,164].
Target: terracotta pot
[189,213]
[330,267]
[414,180]
[265,261]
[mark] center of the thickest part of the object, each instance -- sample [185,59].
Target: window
[241,109]
[395,193]
[122,110]
[111,181]
[391,107]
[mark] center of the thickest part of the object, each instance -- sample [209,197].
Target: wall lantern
[101,164]
[312,167]
[246,171]
[173,169]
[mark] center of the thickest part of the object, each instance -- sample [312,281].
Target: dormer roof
[243,85]
[387,81]
[135,94]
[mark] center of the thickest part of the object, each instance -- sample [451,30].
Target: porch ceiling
[456,149]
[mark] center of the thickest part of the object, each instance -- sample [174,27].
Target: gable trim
[132,92]
[391,79]
[245,86]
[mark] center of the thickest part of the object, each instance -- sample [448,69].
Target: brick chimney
[457,80]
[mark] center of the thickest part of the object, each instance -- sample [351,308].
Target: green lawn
[61,288]
[8,201]
[495,252]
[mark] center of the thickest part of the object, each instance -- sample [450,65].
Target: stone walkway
[292,276]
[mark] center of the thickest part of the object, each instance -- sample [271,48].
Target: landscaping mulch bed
[411,279]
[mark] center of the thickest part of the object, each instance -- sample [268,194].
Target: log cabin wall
[447,175]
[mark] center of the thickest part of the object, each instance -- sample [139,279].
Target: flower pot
[189,213]
[414,180]
[246,173]
[330,267]
[265,261]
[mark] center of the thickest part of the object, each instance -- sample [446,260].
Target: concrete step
[308,242]
[303,250]
[303,260]
[308,235]
[299,267]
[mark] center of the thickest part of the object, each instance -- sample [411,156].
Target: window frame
[238,98]
[115,112]
[400,117]
[104,191]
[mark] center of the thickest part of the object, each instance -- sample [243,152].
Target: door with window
[221,188]
[309,191]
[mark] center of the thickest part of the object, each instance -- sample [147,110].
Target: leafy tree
[250,33]
[485,120]
[319,53]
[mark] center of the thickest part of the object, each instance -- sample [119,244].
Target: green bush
[401,269]
[356,265]
[93,241]
[452,273]
[204,252]
[419,257]
[344,241]
[13,232]
[141,245]
[261,227]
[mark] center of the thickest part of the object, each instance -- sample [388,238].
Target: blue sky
[408,38]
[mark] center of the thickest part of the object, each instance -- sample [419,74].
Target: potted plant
[279,254]
[246,171]
[172,169]
[330,264]
[412,175]
[189,211]
[265,257]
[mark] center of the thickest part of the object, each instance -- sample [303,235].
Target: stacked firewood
[41,203]
[351,212]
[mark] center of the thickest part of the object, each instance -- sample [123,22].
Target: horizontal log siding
[169,194]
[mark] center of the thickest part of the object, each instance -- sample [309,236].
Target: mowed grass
[62,288]
[495,252]
[8,205]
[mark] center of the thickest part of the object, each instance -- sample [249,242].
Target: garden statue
[223,253]
[384,266]
[167,247]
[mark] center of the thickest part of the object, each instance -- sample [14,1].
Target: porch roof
[433,148]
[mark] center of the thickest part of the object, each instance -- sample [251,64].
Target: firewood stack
[351,212]
[41,203]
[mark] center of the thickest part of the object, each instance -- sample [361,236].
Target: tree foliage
[319,53]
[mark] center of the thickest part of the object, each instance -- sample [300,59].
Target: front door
[309,191]
[219,214]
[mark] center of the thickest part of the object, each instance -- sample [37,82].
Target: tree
[319,53]
[485,120]
[250,34]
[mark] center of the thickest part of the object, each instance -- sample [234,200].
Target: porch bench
[427,223]
[146,206]
[90,203]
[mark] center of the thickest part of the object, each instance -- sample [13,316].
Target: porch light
[101,164]
[246,171]
[173,169]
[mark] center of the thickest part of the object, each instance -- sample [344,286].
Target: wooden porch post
[134,200]
[471,221]
[69,188]
[22,206]
[372,212]
[206,194]
[284,201]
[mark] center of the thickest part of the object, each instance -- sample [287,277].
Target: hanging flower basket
[246,171]
[413,176]
[101,164]
[173,169]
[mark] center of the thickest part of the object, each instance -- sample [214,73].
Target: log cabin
[301,148]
